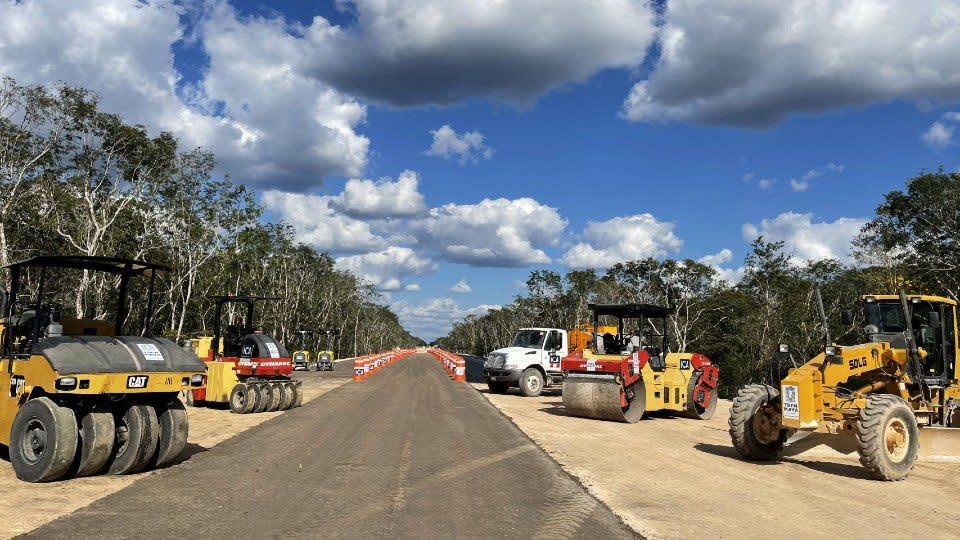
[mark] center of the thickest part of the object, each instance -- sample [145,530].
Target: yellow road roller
[78,396]
[624,375]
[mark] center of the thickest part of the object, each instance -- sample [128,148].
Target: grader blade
[598,396]
[813,444]
[939,444]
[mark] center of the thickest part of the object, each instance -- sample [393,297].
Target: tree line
[912,241]
[78,180]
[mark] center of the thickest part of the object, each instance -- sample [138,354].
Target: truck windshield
[530,339]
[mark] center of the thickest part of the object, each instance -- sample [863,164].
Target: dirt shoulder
[25,506]
[680,478]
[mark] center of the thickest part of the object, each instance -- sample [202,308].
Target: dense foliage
[913,241]
[78,180]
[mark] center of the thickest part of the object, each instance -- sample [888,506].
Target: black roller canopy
[631,310]
[112,265]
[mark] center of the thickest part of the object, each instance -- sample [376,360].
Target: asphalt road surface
[407,453]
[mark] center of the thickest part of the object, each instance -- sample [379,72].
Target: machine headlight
[830,350]
[66,383]
[196,380]
[784,348]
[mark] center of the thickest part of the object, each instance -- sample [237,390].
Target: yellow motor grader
[892,399]
[77,395]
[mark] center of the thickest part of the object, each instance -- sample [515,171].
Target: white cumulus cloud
[806,240]
[466,148]
[718,262]
[622,239]
[434,317]
[938,135]
[320,224]
[386,269]
[493,232]
[753,62]
[384,198]
[246,103]
[461,287]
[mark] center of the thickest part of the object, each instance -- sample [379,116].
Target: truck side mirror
[933,320]
[846,317]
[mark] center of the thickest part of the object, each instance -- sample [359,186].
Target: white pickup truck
[531,362]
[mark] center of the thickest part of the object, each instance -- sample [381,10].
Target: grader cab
[894,398]
[78,396]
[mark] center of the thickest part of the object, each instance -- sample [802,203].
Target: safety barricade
[454,365]
[366,366]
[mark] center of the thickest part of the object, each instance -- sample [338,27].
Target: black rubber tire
[251,403]
[97,435]
[745,406]
[240,398]
[174,430]
[276,397]
[288,396]
[694,410]
[883,412]
[264,397]
[636,407]
[497,387]
[297,395]
[531,382]
[137,432]
[43,440]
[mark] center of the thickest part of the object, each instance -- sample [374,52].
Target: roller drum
[599,397]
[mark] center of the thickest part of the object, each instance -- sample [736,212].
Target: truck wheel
[174,429]
[888,438]
[43,440]
[755,427]
[276,397]
[498,387]
[97,434]
[693,409]
[240,397]
[288,396]
[136,439]
[531,382]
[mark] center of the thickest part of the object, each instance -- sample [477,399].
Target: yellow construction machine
[77,395]
[891,399]
[632,371]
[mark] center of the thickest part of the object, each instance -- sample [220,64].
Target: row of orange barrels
[454,365]
[365,366]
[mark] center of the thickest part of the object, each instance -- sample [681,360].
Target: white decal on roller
[274,352]
[150,352]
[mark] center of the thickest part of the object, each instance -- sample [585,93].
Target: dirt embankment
[680,478]
[25,506]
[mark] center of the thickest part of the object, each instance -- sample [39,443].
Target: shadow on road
[189,451]
[4,453]
[827,467]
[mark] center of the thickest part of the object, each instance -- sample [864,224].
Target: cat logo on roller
[137,381]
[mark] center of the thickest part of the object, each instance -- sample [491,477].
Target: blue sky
[429,143]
